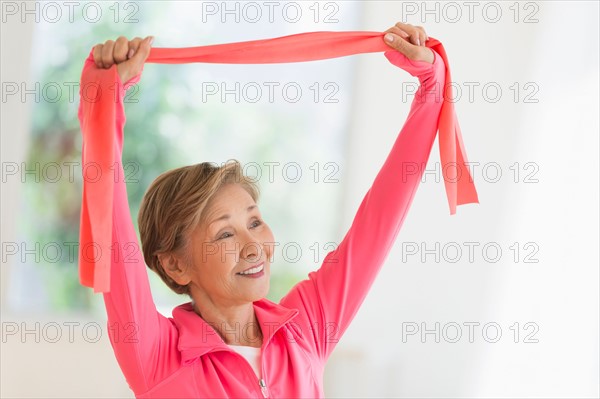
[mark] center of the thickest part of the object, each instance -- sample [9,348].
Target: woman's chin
[256,288]
[262,291]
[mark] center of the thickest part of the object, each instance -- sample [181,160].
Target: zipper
[261,382]
[263,387]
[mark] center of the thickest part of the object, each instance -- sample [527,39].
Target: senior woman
[203,233]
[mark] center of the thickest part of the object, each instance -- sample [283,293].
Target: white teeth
[254,270]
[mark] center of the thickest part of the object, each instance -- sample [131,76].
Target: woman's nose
[251,248]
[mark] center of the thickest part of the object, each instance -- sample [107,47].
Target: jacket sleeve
[329,299]
[138,333]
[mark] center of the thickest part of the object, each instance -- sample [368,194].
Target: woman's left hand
[410,41]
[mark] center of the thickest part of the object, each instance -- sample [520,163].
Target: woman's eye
[256,223]
[224,235]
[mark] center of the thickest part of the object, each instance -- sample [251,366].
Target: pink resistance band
[102,117]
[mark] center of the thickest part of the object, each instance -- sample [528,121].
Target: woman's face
[233,239]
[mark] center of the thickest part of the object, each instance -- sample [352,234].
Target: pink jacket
[184,357]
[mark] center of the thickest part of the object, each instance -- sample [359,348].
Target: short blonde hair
[175,204]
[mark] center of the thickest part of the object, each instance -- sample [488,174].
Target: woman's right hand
[129,55]
[410,41]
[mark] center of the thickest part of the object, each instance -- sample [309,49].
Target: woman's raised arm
[139,334]
[332,295]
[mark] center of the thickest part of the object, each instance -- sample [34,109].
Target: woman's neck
[237,325]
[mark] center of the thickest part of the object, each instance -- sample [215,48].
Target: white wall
[559,214]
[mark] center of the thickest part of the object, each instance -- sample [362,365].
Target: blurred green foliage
[56,138]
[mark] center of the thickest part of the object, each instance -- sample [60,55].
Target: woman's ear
[175,268]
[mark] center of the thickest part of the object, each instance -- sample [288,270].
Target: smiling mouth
[254,270]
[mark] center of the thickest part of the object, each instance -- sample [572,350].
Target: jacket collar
[197,337]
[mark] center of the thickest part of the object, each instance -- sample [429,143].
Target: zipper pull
[263,387]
